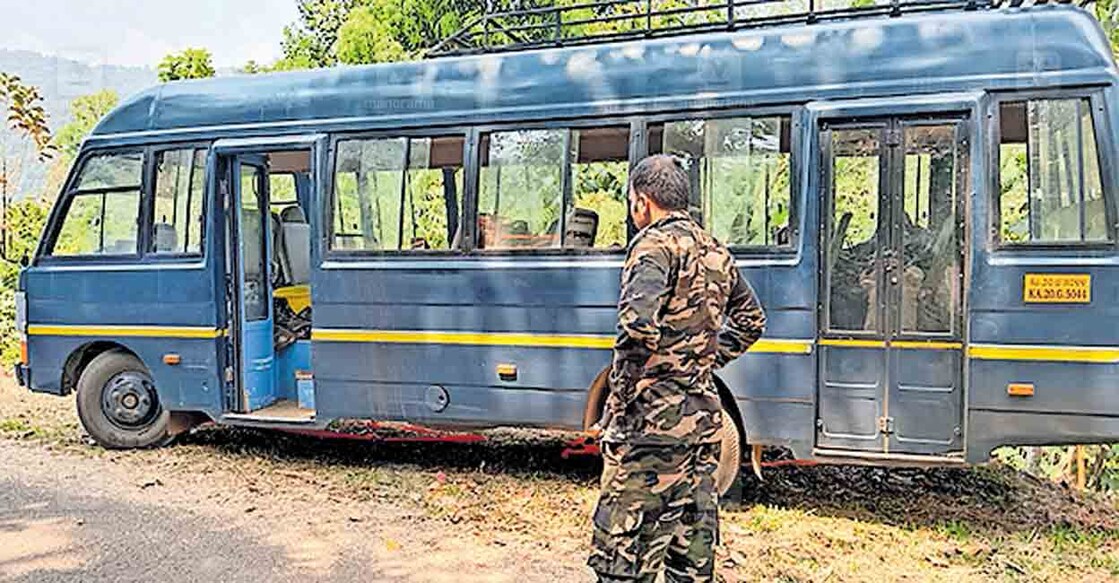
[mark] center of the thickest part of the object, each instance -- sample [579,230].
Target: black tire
[118,404]
[730,456]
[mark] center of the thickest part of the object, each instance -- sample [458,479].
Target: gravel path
[76,518]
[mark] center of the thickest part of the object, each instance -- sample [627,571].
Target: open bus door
[244,188]
[257,374]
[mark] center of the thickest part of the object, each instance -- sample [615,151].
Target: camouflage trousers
[657,512]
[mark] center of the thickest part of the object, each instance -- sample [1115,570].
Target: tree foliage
[368,36]
[85,112]
[189,64]
[353,32]
[25,113]
[1107,12]
[311,42]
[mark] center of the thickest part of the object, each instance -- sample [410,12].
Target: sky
[141,32]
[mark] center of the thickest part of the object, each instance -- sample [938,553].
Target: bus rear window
[1049,174]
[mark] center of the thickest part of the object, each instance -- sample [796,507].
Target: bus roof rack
[503,29]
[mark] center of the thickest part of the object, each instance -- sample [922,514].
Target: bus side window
[1049,174]
[103,208]
[536,183]
[398,194]
[740,170]
[179,196]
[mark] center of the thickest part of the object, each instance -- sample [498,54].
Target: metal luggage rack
[530,24]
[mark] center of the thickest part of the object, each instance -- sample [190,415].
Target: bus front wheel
[118,404]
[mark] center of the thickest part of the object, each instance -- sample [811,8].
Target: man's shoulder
[701,238]
[654,238]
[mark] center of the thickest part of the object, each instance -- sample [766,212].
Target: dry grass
[802,524]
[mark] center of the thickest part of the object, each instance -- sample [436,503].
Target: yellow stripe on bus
[926,345]
[782,346]
[906,344]
[130,331]
[1042,353]
[466,338]
[852,343]
[1051,353]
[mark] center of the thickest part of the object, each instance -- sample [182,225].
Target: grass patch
[956,530]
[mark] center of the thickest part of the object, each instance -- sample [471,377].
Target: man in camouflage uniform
[684,311]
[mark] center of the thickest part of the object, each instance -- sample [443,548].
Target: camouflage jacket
[684,311]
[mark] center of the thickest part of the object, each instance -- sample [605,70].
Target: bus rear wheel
[730,455]
[118,404]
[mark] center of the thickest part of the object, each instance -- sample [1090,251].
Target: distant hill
[61,80]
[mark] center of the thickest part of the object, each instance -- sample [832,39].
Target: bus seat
[582,228]
[166,238]
[297,245]
[293,214]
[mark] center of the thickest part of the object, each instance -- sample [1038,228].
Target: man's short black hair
[661,178]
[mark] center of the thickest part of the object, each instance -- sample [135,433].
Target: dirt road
[84,519]
[239,505]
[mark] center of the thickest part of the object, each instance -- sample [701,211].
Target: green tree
[189,64]
[253,68]
[367,36]
[25,113]
[23,221]
[332,32]
[311,41]
[85,112]
[1107,12]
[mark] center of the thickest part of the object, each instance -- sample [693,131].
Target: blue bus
[923,198]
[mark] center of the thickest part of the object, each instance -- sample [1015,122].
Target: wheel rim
[129,400]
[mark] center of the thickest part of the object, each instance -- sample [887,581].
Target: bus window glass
[596,215]
[111,171]
[432,199]
[1049,176]
[929,246]
[254,245]
[397,194]
[521,189]
[99,223]
[281,191]
[740,174]
[179,195]
[853,230]
[554,188]
[103,214]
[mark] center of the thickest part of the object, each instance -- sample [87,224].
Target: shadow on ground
[995,498]
[516,453]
